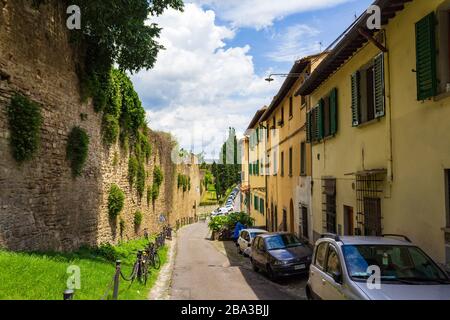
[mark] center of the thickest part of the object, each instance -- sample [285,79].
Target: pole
[116,281]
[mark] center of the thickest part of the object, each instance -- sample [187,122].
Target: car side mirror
[337,277]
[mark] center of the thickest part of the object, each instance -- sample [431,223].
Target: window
[290,162]
[261,205]
[322,120]
[367,89]
[281,123]
[303,159]
[329,204]
[282,164]
[321,255]
[303,101]
[333,263]
[372,216]
[256,203]
[291,107]
[275,163]
[447,194]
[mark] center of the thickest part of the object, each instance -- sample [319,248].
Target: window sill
[441,96]
[368,123]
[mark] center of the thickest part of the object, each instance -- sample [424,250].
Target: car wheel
[255,268]
[272,275]
[309,296]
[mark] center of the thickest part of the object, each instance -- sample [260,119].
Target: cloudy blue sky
[218,52]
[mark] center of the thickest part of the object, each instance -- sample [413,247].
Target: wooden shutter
[426,57]
[257,168]
[378,84]
[356,99]
[320,119]
[250,168]
[308,127]
[333,112]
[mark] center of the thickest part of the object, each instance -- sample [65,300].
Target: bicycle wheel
[156,261]
[144,273]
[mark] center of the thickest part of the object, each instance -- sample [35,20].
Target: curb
[160,290]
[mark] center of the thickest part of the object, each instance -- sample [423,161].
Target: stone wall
[42,207]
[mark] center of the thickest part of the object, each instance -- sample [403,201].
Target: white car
[244,242]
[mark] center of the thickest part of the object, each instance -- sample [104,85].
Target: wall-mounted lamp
[284,75]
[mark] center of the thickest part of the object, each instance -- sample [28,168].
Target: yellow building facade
[255,200]
[288,156]
[379,128]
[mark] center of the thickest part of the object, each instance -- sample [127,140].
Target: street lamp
[284,75]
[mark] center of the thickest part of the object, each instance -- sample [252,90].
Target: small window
[290,162]
[321,255]
[256,203]
[333,263]
[261,205]
[282,164]
[282,117]
[291,107]
[303,158]
[275,163]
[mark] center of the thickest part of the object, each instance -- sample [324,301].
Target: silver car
[374,268]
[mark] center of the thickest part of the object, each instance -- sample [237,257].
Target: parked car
[280,254]
[340,270]
[246,237]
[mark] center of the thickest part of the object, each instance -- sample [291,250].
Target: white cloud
[295,42]
[198,87]
[262,13]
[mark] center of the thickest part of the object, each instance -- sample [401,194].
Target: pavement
[211,270]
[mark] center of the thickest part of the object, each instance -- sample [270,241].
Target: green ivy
[141,175]
[110,129]
[122,226]
[155,192]
[145,146]
[77,150]
[133,166]
[116,201]
[25,121]
[183,182]
[137,218]
[158,176]
[149,195]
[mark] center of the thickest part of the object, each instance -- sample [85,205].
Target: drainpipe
[390,173]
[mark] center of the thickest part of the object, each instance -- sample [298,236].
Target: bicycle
[152,256]
[140,270]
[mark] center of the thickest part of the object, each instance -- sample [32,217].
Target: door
[305,231]
[285,220]
[291,218]
[316,270]
[348,221]
[332,290]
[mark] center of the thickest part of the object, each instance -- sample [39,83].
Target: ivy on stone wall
[25,121]
[141,175]
[133,166]
[183,182]
[158,176]
[116,201]
[77,150]
[138,219]
[155,192]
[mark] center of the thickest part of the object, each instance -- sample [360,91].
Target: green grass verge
[209,198]
[43,276]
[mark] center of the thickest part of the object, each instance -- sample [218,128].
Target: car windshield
[254,234]
[398,264]
[282,241]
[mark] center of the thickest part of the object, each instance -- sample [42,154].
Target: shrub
[133,167]
[158,176]
[229,222]
[116,200]
[140,180]
[25,121]
[137,218]
[122,226]
[77,149]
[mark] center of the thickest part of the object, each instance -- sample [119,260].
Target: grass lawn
[43,276]
[209,198]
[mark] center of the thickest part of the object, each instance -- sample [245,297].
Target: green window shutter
[333,111]
[257,167]
[320,119]
[255,201]
[426,57]
[308,127]
[250,169]
[315,134]
[378,83]
[261,206]
[356,99]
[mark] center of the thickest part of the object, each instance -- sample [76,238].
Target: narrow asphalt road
[207,270]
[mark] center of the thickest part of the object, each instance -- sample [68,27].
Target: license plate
[300,267]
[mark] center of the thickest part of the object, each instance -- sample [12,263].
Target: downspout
[390,165]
